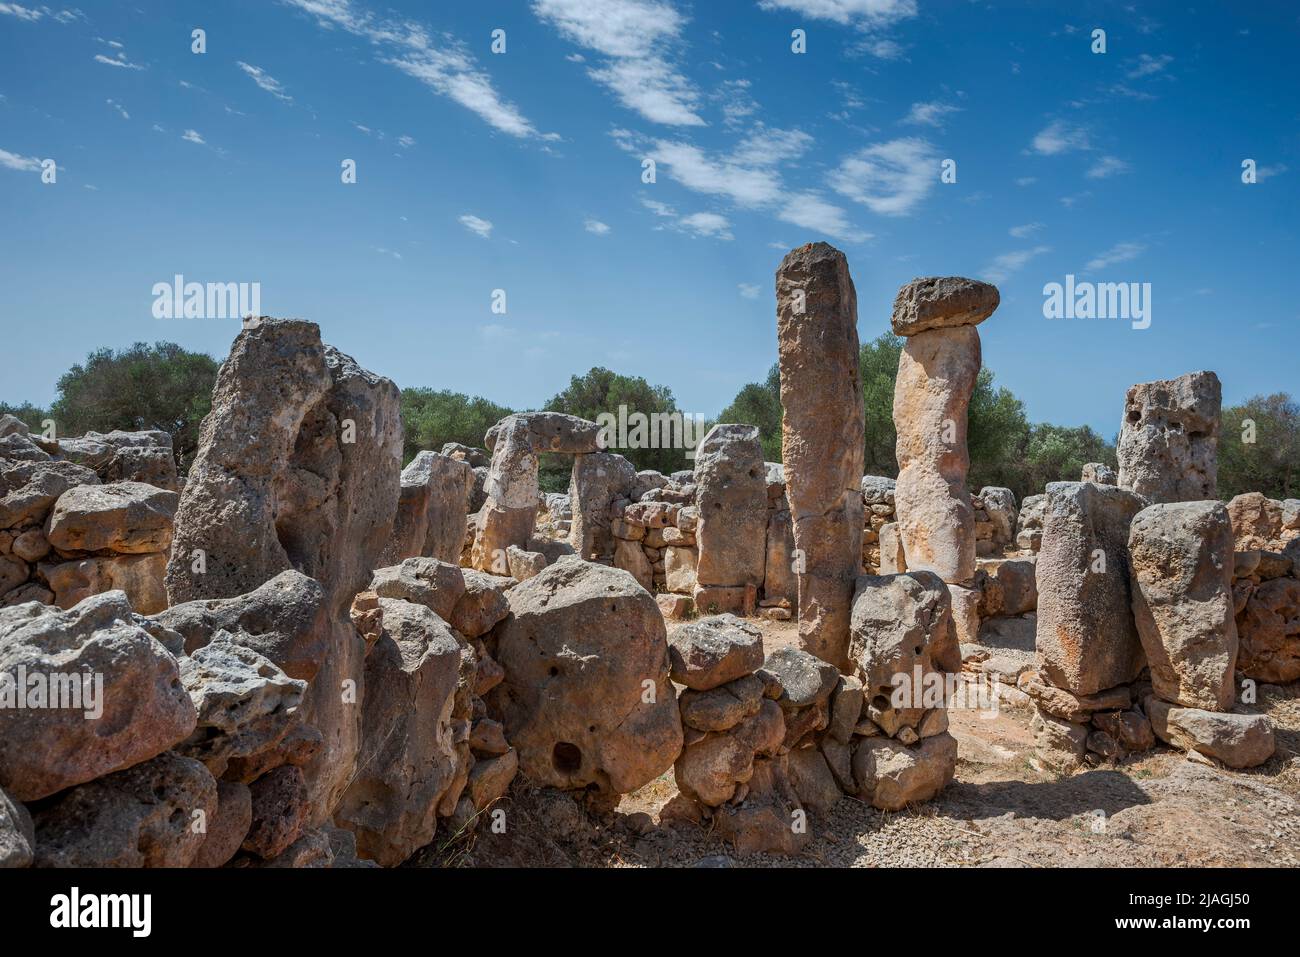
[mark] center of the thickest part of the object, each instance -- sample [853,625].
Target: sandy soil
[1158,810]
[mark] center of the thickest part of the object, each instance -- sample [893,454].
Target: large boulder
[29,487]
[144,816]
[117,456]
[17,835]
[821,401]
[126,517]
[731,493]
[431,511]
[100,661]
[410,754]
[139,576]
[1086,636]
[942,302]
[437,585]
[1181,560]
[901,622]
[586,698]
[1238,740]
[891,776]
[1169,439]
[1268,628]
[1256,521]
[713,651]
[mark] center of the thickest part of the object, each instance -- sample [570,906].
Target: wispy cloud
[748,290]
[889,178]
[636,40]
[1002,267]
[700,225]
[23,164]
[22,13]
[596,226]
[1025,231]
[1119,253]
[1107,166]
[864,14]
[120,109]
[930,114]
[809,210]
[1147,65]
[192,136]
[1264,172]
[265,81]
[476,225]
[1060,137]
[118,60]
[444,65]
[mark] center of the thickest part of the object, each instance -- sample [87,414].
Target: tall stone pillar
[936,376]
[822,439]
[731,533]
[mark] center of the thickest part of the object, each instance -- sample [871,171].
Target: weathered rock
[482,605]
[732,499]
[1256,521]
[245,704]
[1059,744]
[409,755]
[723,707]
[140,817]
[900,623]
[1268,628]
[942,302]
[1238,740]
[1099,472]
[140,709]
[431,510]
[892,557]
[679,569]
[1000,506]
[118,456]
[1181,559]
[1086,636]
[1071,707]
[227,828]
[630,557]
[936,376]
[1008,586]
[524,565]
[29,488]
[890,776]
[280,807]
[598,480]
[779,579]
[488,780]
[1169,440]
[712,651]
[436,584]
[805,680]
[965,604]
[128,517]
[812,780]
[17,835]
[31,545]
[763,823]
[821,400]
[710,769]
[1130,729]
[139,576]
[586,698]
[510,510]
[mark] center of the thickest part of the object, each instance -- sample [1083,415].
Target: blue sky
[522,171]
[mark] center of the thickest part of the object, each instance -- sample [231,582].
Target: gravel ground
[1160,810]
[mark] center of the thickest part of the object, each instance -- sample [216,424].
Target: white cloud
[23,164]
[22,13]
[712,225]
[748,290]
[859,13]
[192,136]
[1119,253]
[1059,137]
[596,226]
[480,227]
[265,81]
[1107,166]
[1002,267]
[118,60]
[406,142]
[1148,65]
[1025,231]
[882,48]
[1026,180]
[120,109]
[637,39]
[1264,172]
[888,178]
[809,210]
[930,114]
[444,65]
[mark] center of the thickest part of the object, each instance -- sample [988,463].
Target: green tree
[160,387]
[1058,453]
[599,392]
[759,403]
[1269,464]
[433,418]
[878,369]
[996,435]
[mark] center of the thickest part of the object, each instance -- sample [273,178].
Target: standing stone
[1181,555]
[1169,440]
[1086,638]
[510,510]
[598,480]
[936,376]
[431,512]
[731,493]
[892,557]
[821,439]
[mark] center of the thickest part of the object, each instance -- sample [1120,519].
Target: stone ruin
[341,662]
